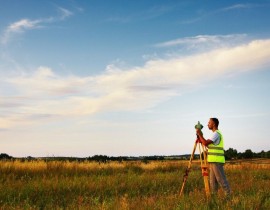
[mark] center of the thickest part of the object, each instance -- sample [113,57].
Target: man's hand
[198,140]
[199,132]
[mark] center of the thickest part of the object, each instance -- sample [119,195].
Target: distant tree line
[230,154]
[97,158]
[105,158]
[233,154]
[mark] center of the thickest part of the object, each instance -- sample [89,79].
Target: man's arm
[202,139]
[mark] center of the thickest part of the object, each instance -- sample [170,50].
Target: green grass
[128,185]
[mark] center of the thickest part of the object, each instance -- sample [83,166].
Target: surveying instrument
[203,160]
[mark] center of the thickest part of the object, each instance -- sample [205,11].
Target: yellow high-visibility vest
[216,152]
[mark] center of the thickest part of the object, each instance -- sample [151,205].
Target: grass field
[128,185]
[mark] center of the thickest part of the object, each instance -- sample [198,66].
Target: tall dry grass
[128,185]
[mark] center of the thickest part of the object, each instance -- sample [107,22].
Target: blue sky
[79,78]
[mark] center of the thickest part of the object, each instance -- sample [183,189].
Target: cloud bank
[44,95]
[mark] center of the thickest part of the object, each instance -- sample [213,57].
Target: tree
[267,155]
[263,154]
[248,154]
[4,156]
[231,154]
[99,158]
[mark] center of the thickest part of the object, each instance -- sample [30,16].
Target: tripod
[204,167]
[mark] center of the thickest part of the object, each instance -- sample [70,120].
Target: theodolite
[204,167]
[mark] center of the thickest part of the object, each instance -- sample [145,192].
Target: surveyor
[215,157]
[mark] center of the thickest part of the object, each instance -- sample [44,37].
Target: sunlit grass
[128,185]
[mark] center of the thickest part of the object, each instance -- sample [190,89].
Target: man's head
[213,123]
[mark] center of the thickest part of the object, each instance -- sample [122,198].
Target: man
[215,157]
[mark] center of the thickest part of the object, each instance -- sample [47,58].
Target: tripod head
[198,126]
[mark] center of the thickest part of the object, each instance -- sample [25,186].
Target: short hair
[215,120]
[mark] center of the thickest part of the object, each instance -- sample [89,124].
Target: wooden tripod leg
[204,167]
[188,168]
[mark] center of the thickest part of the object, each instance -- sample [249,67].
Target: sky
[132,78]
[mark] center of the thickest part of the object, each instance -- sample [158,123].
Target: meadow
[128,185]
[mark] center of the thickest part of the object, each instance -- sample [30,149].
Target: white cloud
[240,6]
[65,13]
[203,40]
[195,18]
[25,24]
[19,27]
[22,25]
[45,95]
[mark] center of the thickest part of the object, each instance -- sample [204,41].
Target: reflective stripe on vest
[216,152]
